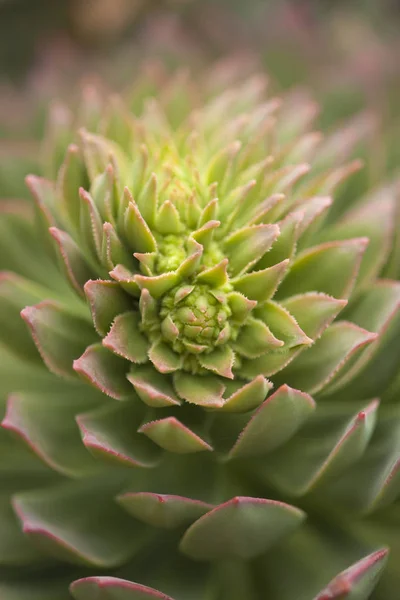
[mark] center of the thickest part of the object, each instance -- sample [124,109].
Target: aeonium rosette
[185,260]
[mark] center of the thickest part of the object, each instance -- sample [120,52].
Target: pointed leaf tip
[358,581]
[112,588]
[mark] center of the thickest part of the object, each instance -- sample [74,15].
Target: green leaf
[80,523]
[261,285]
[46,424]
[104,370]
[358,581]
[97,152]
[274,422]
[168,220]
[16,293]
[285,246]
[111,588]
[118,124]
[158,285]
[314,312]
[248,245]
[20,251]
[327,445]
[375,309]
[331,268]
[106,194]
[205,234]
[91,226]
[126,279]
[148,200]
[209,212]
[314,212]
[154,389]
[282,324]
[216,276]
[219,361]
[244,398]
[72,260]
[59,336]
[163,510]
[374,481]
[284,327]
[315,368]
[106,300]
[125,338]
[240,306]
[113,251]
[109,433]
[222,163]
[283,180]
[243,527]
[44,194]
[71,177]
[203,390]
[137,232]
[255,339]
[15,549]
[191,264]
[172,435]
[374,219]
[164,358]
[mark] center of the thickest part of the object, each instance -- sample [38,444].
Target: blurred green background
[33,32]
[346,52]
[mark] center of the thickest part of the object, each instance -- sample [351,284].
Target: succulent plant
[192,404]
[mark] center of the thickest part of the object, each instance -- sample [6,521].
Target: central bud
[195,319]
[171,253]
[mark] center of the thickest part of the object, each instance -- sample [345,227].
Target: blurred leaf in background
[346,52]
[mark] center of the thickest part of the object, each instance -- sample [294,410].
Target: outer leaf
[16,293]
[329,443]
[125,338]
[314,312]
[275,421]
[59,336]
[358,581]
[330,268]
[163,510]
[53,520]
[104,370]
[316,367]
[71,177]
[153,388]
[174,436]
[75,266]
[375,220]
[109,433]
[111,588]
[374,482]
[47,425]
[376,309]
[107,300]
[242,527]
